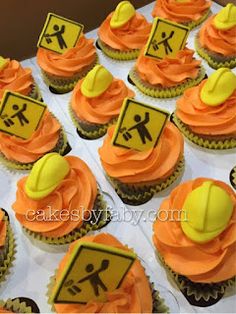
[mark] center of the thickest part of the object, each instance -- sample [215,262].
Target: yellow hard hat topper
[3,63]
[226,18]
[207,211]
[96,82]
[46,174]
[123,13]
[219,87]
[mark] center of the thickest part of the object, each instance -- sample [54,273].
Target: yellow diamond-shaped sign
[59,34]
[139,125]
[93,269]
[20,115]
[166,39]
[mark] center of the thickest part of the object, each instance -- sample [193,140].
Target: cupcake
[21,154]
[168,77]
[96,102]
[198,246]
[6,243]
[188,12]
[206,113]
[232,177]
[62,71]
[135,294]
[15,78]
[19,305]
[138,175]
[59,201]
[216,40]
[123,33]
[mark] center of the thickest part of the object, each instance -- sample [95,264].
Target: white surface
[35,263]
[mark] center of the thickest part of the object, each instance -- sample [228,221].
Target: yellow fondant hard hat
[96,82]
[226,18]
[46,174]
[219,87]
[123,13]
[3,63]
[206,212]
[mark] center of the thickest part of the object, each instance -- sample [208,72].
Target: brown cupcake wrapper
[78,233]
[35,92]
[164,92]
[203,142]
[139,194]
[20,305]
[232,177]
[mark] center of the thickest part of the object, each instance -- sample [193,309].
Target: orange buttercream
[133,296]
[206,263]
[69,63]
[132,35]
[131,166]
[204,119]
[14,78]
[103,108]
[181,11]
[70,202]
[168,72]
[216,40]
[42,141]
[2,310]
[3,229]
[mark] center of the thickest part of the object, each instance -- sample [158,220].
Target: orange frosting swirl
[14,78]
[206,263]
[168,72]
[76,195]
[181,11]
[3,229]
[133,296]
[2,310]
[132,35]
[69,63]
[42,141]
[219,41]
[103,108]
[131,166]
[203,119]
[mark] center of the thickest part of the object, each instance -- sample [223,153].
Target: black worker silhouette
[19,114]
[58,33]
[140,126]
[94,278]
[164,42]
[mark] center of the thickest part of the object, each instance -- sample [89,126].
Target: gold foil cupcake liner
[8,260]
[15,165]
[167,92]
[136,195]
[86,227]
[117,54]
[65,85]
[232,177]
[16,306]
[206,143]
[193,24]
[211,60]
[35,93]
[89,130]
[200,291]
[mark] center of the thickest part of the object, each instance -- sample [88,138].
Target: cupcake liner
[35,92]
[193,24]
[164,92]
[20,305]
[62,84]
[215,60]
[198,294]
[117,54]
[137,194]
[61,147]
[89,130]
[86,227]
[9,256]
[206,143]
[232,177]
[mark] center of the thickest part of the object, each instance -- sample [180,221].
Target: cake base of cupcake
[203,141]
[215,60]
[164,92]
[117,54]
[139,194]
[100,210]
[20,305]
